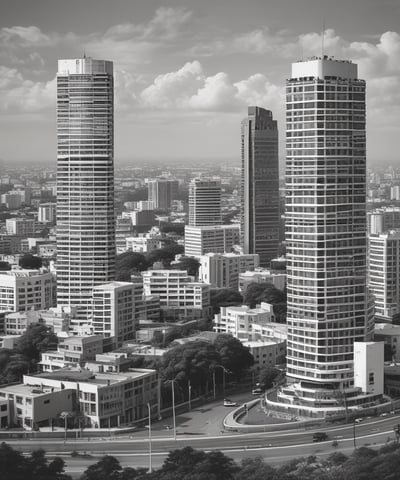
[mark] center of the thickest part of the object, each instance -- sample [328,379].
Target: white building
[161,192]
[181,298]
[106,399]
[210,239]
[204,202]
[222,270]
[326,235]
[384,273]
[368,367]
[261,275]
[142,243]
[12,200]
[20,226]
[85,180]
[47,212]
[114,311]
[267,352]
[383,219]
[18,322]
[73,351]
[23,289]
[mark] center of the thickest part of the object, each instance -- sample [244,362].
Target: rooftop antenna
[84,52]
[323,38]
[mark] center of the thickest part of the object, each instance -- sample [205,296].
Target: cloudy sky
[185,70]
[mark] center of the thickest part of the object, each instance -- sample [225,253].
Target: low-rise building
[142,243]
[267,353]
[106,399]
[390,335]
[18,322]
[261,275]
[34,405]
[20,226]
[222,270]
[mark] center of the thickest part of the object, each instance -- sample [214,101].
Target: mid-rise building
[204,202]
[384,274]
[210,239]
[47,212]
[383,219]
[222,270]
[260,185]
[142,243]
[389,334]
[161,192]
[12,200]
[23,289]
[85,180]
[181,298]
[114,311]
[20,226]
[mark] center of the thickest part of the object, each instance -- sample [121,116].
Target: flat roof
[28,390]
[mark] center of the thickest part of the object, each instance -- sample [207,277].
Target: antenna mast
[323,38]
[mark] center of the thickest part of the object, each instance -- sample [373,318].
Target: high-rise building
[384,274]
[204,202]
[260,185]
[85,179]
[326,234]
[161,191]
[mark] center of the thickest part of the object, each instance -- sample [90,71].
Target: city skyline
[189,70]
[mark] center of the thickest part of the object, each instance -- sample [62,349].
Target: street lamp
[224,370]
[173,406]
[190,394]
[150,463]
[65,416]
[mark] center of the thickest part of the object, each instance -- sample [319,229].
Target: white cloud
[18,95]
[24,37]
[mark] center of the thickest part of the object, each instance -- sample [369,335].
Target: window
[371,380]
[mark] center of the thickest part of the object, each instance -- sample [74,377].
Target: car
[257,391]
[358,420]
[230,403]
[384,414]
[320,437]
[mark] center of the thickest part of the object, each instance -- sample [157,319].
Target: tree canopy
[30,261]
[224,297]
[190,264]
[233,355]
[129,263]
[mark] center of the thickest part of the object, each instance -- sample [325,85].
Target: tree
[263,292]
[255,469]
[190,264]
[37,339]
[192,361]
[267,376]
[108,468]
[129,263]
[178,228]
[30,261]
[267,292]
[4,266]
[165,255]
[224,297]
[234,356]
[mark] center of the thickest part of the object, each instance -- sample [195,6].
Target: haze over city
[186,71]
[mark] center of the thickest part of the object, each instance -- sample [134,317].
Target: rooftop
[28,390]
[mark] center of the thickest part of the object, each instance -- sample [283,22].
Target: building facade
[326,234]
[204,202]
[210,239]
[85,179]
[161,192]
[260,185]
[384,274]
[222,270]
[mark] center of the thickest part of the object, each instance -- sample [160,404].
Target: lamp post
[65,416]
[224,370]
[354,434]
[190,394]
[150,459]
[173,406]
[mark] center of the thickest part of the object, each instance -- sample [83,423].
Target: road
[276,447]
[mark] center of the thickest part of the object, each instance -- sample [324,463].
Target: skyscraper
[326,234]
[85,179]
[204,202]
[260,185]
[161,191]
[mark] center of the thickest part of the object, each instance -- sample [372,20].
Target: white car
[229,403]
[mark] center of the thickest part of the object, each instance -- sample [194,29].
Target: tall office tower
[85,180]
[260,185]
[161,191]
[326,235]
[204,202]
